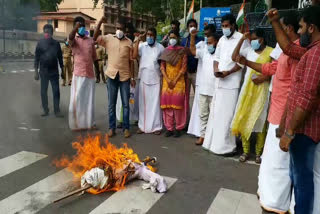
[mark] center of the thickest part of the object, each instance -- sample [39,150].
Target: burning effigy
[103,167]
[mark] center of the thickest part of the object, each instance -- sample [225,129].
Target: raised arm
[97,30]
[193,49]
[288,47]
[236,51]
[136,46]
[74,31]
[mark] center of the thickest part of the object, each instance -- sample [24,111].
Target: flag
[191,12]
[240,18]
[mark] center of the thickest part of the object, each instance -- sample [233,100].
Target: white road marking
[13,72]
[23,128]
[31,70]
[39,195]
[233,202]
[164,147]
[18,161]
[133,199]
[34,130]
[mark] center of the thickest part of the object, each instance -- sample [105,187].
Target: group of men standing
[214,69]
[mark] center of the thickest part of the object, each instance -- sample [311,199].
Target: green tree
[49,5]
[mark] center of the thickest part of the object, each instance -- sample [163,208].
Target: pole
[73,193]
[3,30]
[200,4]
[185,11]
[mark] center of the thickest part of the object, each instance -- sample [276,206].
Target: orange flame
[90,153]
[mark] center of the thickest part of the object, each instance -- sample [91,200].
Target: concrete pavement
[200,176]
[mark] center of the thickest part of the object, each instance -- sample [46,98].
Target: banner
[212,15]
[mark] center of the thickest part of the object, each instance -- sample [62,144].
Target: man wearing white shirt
[218,138]
[150,120]
[194,123]
[206,89]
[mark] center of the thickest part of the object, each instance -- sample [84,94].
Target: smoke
[18,14]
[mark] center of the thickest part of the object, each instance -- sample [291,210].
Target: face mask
[82,31]
[47,35]
[226,31]
[206,40]
[255,44]
[150,40]
[172,42]
[305,39]
[192,29]
[211,49]
[119,34]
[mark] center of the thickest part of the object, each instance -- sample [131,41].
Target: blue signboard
[212,15]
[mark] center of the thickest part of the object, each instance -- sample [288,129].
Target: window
[55,25]
[112,19]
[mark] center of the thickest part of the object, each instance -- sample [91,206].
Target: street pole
[3,30]
[200,4]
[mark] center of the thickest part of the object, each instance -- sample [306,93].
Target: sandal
[157,132]
[140,131]
[258,159]
[244,158]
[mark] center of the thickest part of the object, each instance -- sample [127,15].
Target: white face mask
[172,42]
[119,34]
[192,29]
[226,31]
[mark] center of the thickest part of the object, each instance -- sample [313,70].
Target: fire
[94,150]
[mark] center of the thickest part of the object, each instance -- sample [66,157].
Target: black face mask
[305,39]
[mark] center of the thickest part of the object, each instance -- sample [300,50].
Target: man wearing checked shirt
[300,126]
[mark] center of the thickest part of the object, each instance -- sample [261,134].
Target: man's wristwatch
[289,135]
[131,78]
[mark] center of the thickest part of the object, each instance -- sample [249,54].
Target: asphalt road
[200,175]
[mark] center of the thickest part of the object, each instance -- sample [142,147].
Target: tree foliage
[168,9]
[49,5]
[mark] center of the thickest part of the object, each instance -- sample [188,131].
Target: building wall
[21,43]
[63,30]
[86,6]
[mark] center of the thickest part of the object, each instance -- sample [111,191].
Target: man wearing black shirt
[48,53]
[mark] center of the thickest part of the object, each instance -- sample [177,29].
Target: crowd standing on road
[284,114]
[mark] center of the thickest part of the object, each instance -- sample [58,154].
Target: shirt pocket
[125,51]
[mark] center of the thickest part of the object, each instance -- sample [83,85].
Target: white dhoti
[150,117]
[218,138]
[194,124]
[316,208]
[274,187]
[81,108]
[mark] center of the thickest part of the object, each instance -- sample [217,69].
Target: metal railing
[260,20]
